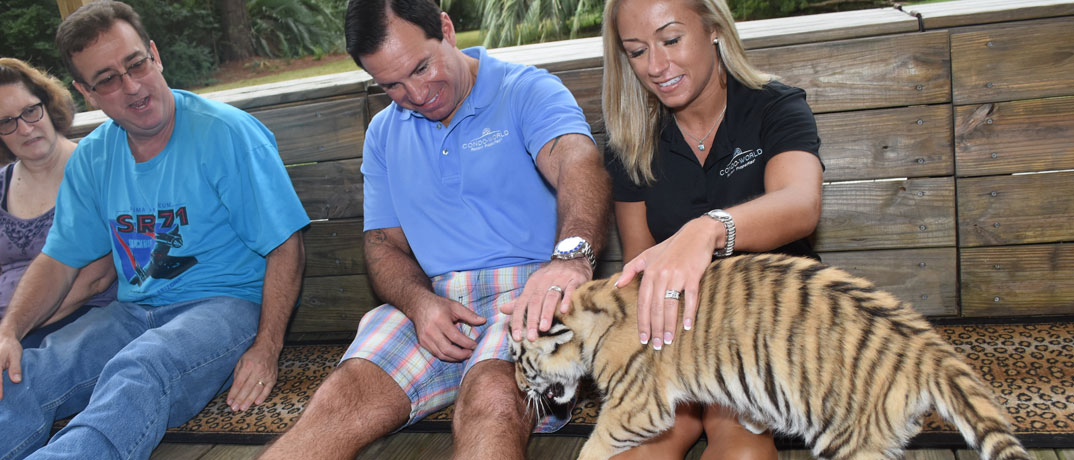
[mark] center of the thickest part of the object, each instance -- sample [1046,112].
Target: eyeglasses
[113,82]
[31,114]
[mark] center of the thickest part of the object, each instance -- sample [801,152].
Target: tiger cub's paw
[595,450]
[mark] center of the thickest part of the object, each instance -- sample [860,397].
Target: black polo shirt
[758,125]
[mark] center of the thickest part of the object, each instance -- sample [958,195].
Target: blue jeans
[132,371]
[36,336]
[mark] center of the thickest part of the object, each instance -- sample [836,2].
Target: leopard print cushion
[1030,367]
[302,369]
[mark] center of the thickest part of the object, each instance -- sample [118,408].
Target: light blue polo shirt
[469,196]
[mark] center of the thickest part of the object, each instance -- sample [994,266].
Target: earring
[716,41]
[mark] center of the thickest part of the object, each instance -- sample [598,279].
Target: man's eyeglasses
[31,114]
[113,82]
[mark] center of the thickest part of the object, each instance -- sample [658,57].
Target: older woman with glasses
[35,111]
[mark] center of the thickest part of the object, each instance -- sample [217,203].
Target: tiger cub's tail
[962,398]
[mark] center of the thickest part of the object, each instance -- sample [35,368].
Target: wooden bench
[948,141]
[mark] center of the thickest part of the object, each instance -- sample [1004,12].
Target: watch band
[729,225]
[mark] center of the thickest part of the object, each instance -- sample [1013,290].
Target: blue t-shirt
[195,221]
[469,196]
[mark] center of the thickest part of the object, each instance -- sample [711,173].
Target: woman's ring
[555,288]
[669,294]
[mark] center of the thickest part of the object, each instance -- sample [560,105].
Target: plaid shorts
[387,338]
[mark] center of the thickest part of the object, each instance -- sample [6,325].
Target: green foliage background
[295,28]
[29,32]
[748,10]
[517,22]
[186,31]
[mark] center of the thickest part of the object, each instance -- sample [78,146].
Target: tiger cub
[791,344]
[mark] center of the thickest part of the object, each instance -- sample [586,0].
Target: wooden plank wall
[909,124]
[325,168]
[884,114]
[891,110]
[929,117]
[1013,91]
[320,141]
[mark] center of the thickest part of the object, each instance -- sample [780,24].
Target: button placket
[450,167]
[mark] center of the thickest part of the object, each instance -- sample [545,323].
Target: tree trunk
[237,43]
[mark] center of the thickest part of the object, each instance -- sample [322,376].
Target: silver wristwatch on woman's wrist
[729,224]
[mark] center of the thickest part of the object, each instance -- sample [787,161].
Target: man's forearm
[584,200]
[92,279]
[283,280]
[396,276]
[38,295]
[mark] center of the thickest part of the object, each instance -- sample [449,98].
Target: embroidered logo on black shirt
[740,160]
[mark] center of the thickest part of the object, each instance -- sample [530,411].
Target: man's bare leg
[357,404]
[490,414]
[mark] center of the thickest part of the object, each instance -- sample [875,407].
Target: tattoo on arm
[376,237]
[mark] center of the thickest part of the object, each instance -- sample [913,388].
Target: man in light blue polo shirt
[472,176]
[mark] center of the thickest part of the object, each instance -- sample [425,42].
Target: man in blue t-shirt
[191,198]
[471,177]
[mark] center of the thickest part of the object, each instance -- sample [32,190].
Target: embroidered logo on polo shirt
[488,138]
[740,160]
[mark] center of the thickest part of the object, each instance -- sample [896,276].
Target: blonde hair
[59,105]
[632,114]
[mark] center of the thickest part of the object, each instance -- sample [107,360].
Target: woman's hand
[676,264]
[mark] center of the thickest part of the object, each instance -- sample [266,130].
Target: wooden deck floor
[418,446]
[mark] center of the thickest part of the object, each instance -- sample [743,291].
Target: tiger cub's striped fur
[791,344]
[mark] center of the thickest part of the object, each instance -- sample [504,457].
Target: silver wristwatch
[574,247]
[729,224]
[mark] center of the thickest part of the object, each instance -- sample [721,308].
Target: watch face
[569,244]
[720,214]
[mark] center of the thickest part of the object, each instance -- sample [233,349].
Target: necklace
[701,140]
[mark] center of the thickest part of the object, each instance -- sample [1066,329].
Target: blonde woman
[35,111]
[709,157]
